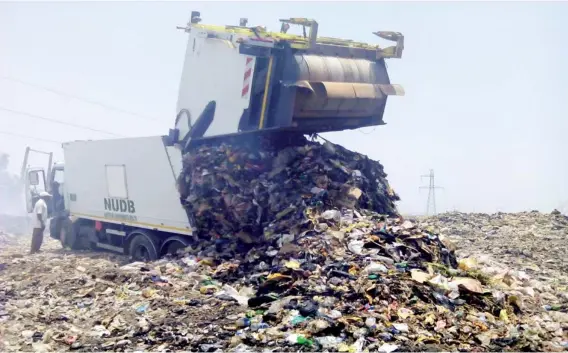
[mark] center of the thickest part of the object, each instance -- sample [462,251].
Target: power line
[58,121]
[431,203]
[28,137]
[87,100]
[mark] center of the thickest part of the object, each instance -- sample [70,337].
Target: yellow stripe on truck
[265,98]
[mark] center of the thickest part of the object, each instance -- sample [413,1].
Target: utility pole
[431,203]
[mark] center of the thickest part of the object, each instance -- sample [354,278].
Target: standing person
[56,198]
[40,213]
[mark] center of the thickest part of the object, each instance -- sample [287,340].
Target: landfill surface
[299,249]
[532,242]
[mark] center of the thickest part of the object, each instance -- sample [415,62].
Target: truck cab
[53,182]
[38,179]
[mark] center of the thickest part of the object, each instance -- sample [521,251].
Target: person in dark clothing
[57,200]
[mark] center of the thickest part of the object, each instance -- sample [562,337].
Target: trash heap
[524,255]
[299,249]
[540,239]
[363,282]
[259,193]
[309,239]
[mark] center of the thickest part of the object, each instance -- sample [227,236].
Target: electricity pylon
[431,203]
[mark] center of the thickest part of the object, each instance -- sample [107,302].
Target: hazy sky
[486,102]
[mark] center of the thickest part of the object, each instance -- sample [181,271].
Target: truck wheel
[83,241]
[66,233]
[173,244]
[75,236]
[55,226]
[143,248]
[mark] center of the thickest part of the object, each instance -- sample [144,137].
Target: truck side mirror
[34,181]
[33,177]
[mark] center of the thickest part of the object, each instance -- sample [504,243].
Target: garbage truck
[121,194]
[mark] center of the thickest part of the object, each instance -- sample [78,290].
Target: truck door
[34,179]
[57,189]
[34,183]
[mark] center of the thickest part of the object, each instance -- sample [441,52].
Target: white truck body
[128,181]
[214,70]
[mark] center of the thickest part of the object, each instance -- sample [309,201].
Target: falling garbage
[264,194]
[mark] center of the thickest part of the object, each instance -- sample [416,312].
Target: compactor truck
[121,194]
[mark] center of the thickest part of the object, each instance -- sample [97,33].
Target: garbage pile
[533,242]
[361,282]
[524,254]
[260,193]
[299,249]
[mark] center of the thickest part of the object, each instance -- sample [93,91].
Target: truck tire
[83,240]
[66,233]
[173,244]
[143,247]
[55,228]
[75,236]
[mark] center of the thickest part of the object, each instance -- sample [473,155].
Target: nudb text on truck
[120,209]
